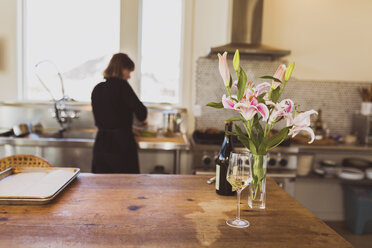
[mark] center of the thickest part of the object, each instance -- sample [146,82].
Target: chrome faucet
[63,111]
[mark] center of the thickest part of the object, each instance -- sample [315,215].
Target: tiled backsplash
[337,100]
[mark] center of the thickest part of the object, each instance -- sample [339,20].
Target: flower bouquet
[260,108]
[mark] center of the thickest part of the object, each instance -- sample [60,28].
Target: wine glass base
[238,223]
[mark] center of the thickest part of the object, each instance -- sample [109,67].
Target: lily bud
[236,60]
[289,71]
[279,74]
[224,68]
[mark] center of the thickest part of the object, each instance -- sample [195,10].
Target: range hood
[246,32]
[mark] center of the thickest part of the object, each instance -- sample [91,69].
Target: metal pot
[171,122]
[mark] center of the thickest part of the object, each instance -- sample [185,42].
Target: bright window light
[161,51]
[76,38]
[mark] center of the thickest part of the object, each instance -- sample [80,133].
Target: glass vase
[257,186]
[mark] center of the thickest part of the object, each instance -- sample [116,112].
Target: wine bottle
[223,187]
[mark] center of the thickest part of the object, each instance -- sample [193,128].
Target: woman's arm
[131,100]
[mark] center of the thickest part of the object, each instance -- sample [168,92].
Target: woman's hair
[117,63]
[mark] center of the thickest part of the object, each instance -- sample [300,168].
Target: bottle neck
[228,130]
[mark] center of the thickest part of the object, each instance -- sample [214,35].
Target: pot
[171,122]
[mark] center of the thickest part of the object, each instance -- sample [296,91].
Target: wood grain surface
[160,211]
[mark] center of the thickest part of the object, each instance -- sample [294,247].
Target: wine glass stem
[238,208]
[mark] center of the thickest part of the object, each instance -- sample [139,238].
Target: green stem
[250,126]
[228,90]
[247,129]
[266,128]
[267,122]
[258,174]
[271,126]
[282,88]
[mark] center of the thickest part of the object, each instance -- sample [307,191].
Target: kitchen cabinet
[324,195]
[174,156]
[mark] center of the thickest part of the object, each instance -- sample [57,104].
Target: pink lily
[261,88]
[301,123]
[256,91]
[227,102]
[249,108]
[224,68]
[282,109]
[279,74]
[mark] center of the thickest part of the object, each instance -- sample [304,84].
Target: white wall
[210,27]
[8,50]
[329,39]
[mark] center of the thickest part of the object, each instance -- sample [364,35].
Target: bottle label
[217,177]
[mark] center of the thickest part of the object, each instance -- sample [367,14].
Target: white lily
[301,123]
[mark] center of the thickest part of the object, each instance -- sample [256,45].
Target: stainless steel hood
[246,32]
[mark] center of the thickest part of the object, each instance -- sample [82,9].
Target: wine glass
[238,176]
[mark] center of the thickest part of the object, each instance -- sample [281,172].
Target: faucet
[63,111]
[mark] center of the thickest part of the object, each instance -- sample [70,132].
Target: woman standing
[114,103]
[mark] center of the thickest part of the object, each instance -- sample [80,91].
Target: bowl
[351,174]
[369,173]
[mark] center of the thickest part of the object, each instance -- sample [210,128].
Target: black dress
[115,149]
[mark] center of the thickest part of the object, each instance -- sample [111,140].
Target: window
[74,37]
[160,51]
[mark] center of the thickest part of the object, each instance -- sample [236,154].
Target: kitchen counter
[160,211]
[75,148]
[163,143]
[340,147]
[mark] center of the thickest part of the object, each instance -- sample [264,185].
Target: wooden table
[160,211]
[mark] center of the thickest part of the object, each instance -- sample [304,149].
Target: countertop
[160,211]
[181,142]
[337,147]
[145,143]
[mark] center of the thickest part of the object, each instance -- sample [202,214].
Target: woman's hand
[138,127]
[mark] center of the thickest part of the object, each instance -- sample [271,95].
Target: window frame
[129,43]
[182,52]
[22,73]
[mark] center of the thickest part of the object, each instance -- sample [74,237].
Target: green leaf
[236,60]
[262,95]
[217,105]
[277,138]
[275,95]
[289,71]
[244,141]
[242,84]
[247,143]
[255,141]
[257,125]
[234,119]
[251,144]
[252,148]
[239,130]
[272,78]
[262,149]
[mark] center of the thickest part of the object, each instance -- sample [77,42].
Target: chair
[23,160]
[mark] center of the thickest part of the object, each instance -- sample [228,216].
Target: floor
[359,241]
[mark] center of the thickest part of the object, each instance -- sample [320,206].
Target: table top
[106,210]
